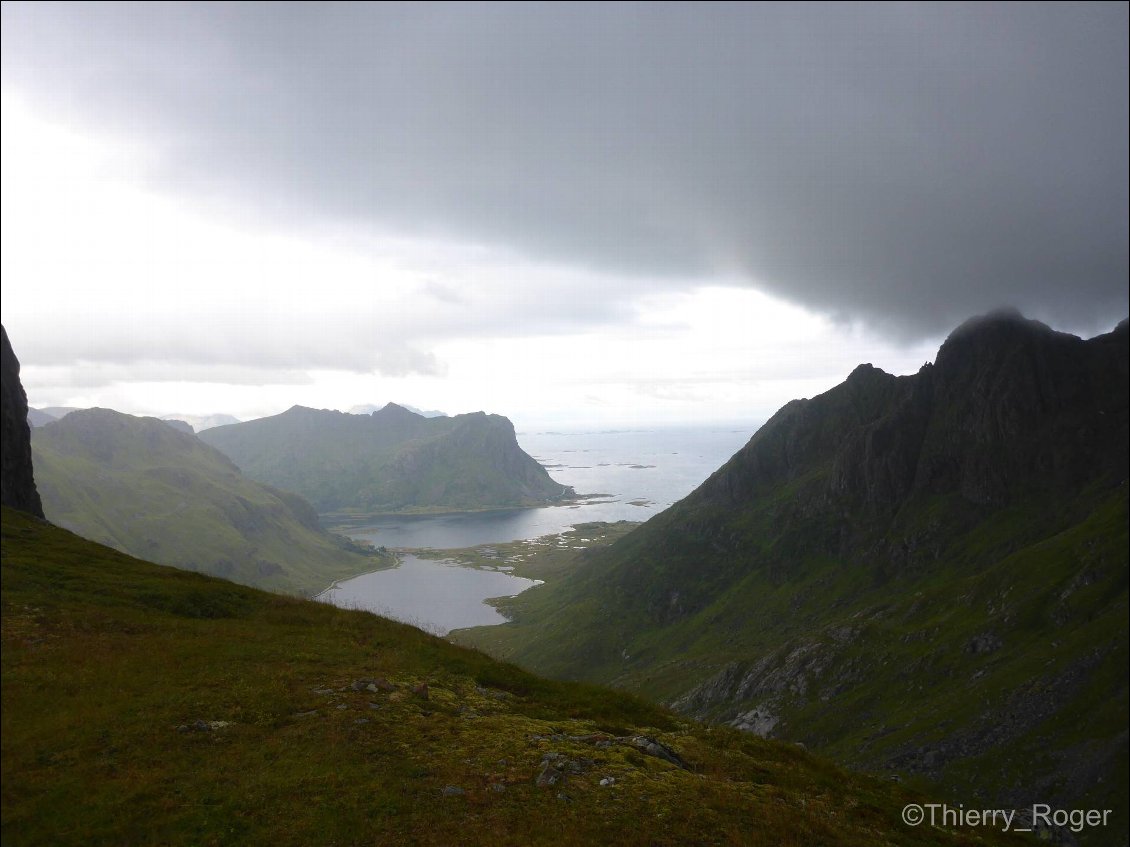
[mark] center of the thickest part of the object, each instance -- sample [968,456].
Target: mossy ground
[879,670]
[105,658]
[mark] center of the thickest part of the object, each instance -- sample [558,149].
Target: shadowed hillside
[924,575]
[147,488]
[278,721]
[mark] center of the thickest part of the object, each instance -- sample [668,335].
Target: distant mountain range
[369,408]
[199,423]
[391,460]
[187,423]
[150,489]
[923,574]
[39,417]
[54,413]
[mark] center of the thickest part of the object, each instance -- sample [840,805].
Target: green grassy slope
[392,460]
[147,489]
[922,575]
[273,720]
[993,675]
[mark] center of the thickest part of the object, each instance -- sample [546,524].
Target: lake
[436,596]
[642,472]
[639,472]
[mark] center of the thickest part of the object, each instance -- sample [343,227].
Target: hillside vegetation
[921,575]
[146,488]
[278,721]
[391,460]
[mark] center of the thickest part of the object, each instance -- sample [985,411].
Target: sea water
[627,475]
[638,473]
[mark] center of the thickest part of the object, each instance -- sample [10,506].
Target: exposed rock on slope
[18,486]
[390,460]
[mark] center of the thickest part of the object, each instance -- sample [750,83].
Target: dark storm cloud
[907,164]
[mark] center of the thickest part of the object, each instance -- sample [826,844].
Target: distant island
[392,460]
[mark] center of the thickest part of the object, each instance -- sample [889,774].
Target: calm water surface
[640,473]
[435,596]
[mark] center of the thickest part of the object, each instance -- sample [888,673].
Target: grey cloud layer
[907,164]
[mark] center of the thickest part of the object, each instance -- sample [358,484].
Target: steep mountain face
[925,574]
[390,460]
[17,488]
[147,488]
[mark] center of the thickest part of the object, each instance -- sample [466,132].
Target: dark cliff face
[1022,408]
[18,486]
[1010,408]
[885,472]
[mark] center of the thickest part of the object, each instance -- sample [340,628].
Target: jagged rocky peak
[1009,404]
[18,479]
[395,412]
[1003,317]
[988,340]
[1020,404]
[867,372]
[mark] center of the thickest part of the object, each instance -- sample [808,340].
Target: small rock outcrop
[18,479]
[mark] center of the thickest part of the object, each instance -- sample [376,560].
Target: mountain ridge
[880,557]
[390,460]
[148,488]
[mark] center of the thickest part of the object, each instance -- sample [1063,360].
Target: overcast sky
[575,215]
